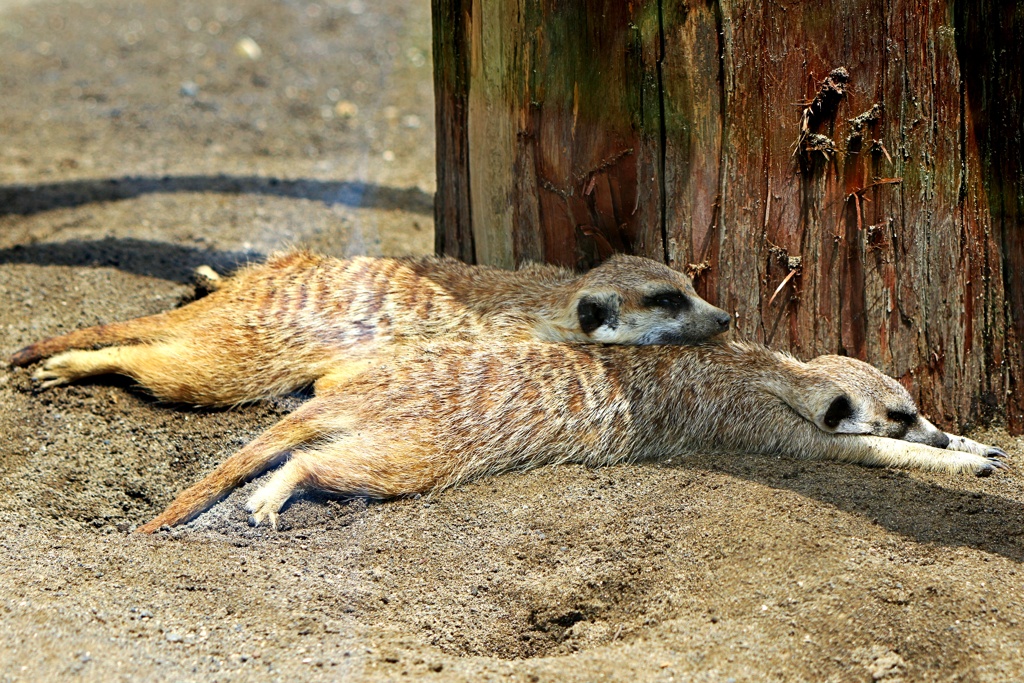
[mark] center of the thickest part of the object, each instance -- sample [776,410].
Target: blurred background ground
[141,139]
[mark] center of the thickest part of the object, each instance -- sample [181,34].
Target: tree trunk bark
[842,176]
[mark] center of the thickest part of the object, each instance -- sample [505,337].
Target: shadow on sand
[36,198]
[140,257]
[894,500]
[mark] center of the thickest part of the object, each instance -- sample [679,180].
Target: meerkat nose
[941,441]
[723,319]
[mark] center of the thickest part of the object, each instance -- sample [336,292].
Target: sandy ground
[141,139]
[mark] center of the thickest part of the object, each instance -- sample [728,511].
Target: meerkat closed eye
[870,402]
[440,413]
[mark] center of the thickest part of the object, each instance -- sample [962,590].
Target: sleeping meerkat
[439,413]
[279,326]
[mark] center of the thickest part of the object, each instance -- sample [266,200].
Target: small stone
[889,665]
[346,109]
[247,47]
[174,637]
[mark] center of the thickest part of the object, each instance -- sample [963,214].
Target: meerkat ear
[820,402]
[838,410]
[595,311]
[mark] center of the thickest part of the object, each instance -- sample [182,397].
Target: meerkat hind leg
[369,464]
[311,421]
[170,371]
[77,364]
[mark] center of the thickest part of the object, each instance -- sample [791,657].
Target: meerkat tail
[128,332]
[256,457]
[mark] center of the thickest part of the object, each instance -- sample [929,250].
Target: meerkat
[276,327]
[442,413]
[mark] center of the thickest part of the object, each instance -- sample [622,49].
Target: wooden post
[844,177]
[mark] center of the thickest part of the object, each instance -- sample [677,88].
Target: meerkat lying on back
[441,413]
[277,327]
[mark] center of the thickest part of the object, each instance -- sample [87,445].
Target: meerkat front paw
[982,465]
[259,513]
[260,508]
[266,503]
[991,466]
[965,445]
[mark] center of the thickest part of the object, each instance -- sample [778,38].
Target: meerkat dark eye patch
[838,410]
[902,416]
[594,312]
[669,299]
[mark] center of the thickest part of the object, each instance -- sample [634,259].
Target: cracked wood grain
[924,277]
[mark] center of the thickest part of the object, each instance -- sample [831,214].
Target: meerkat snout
[918,429]
[682,317]
[723,319]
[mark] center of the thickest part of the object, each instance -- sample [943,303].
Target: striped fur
[437,414]
[275,327]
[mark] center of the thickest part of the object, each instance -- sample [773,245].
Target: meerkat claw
[262,507]
[257,517]
[45,378]
[61,369]
[965,445]
[990,467]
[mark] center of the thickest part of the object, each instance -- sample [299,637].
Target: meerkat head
[634,300]
[848,396]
